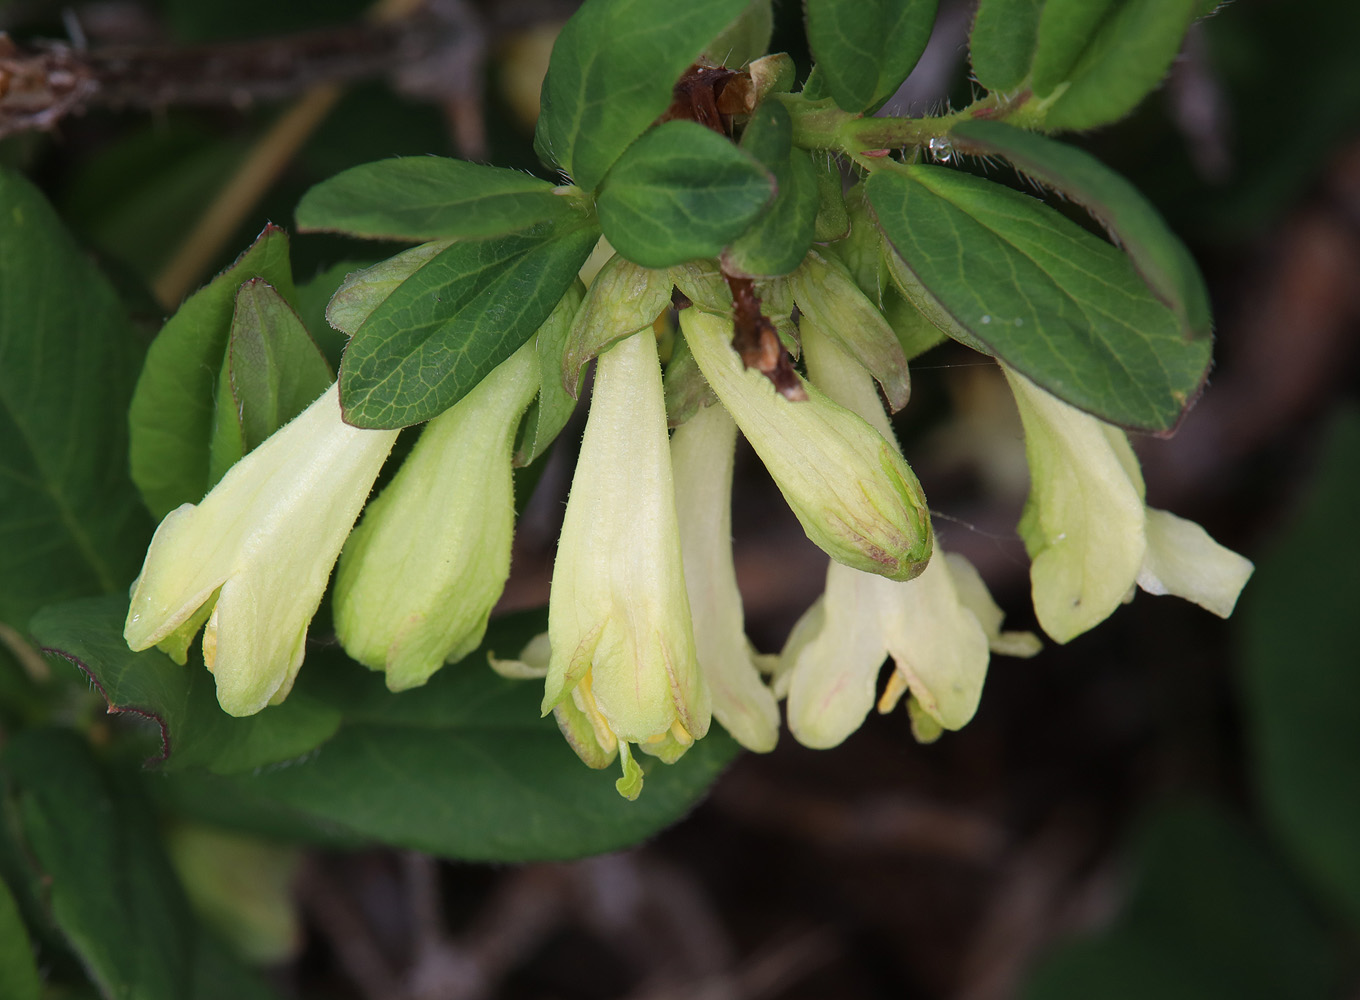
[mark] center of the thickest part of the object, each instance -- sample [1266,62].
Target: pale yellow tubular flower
[427,562]
[702,451]
[267,534]
[622,649]
[530,665]
[831,663]
[849,487]
[1183,560]
[1083,521]
[1089,533]
[974,596]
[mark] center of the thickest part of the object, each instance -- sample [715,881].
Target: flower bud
[424,567]
[850,489]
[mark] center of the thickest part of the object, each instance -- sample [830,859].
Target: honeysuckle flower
[702,452]
[422,570]
[1089,534]
[831,662]
[851,490]
[622,667]
[263,541]
[938,642]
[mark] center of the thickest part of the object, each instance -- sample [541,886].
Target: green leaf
[682,191]
[611,74]
[443,329]
[1005,273]
[866,49]
[914,331]
[1132,221]
[1212,915]
[18,969]
[833,221]
[1301,686]
[422,198]
[1129,55]
[554,406]
[866,255]
[70,523]
[111,889]
[273,371]
[464,767]
[779,239]
[174,407]
[363,290]
[745,39]
[1066,29]
[311,301]
[1002,42]
[181,700]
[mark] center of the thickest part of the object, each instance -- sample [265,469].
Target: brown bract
[710,95]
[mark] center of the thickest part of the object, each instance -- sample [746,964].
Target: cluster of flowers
[646,639]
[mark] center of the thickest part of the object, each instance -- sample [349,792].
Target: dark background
[1117,820]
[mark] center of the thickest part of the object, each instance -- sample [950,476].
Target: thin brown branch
[43,82]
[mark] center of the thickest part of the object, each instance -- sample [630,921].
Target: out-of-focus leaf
[1066,28]
[865,49]
[18,969]
[681,192]
[746,38]
[70,523]
[1006,274]
[422,198]
[1159,256]
[180,700]
[1212,916]
[110,887]
[1002,42]
[1126,58]
[464,767]
[611,75]
[1301,684]
[444,328]
[174,407]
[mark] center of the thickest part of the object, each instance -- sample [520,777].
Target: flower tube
[702,456]
[422,570]
[931,626]
[850,489]
[622,667]
[263,540]
[1091,537]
